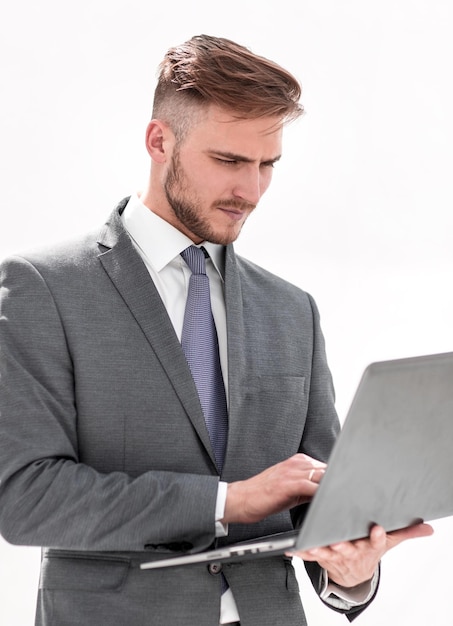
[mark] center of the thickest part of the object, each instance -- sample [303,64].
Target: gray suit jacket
[104,453]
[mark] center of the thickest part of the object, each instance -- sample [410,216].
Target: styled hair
[211,70]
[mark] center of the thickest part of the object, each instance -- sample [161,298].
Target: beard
[188,208]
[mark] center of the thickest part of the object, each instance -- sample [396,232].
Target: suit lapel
[133,282]
[237,374]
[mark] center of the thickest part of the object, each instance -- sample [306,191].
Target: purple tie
[200,345]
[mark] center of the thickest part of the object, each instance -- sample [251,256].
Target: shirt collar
[158,240]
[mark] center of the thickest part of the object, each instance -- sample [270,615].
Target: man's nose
[249,186]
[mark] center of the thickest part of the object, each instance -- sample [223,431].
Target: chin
[224,238]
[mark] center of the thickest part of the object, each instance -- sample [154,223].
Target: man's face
[217,175]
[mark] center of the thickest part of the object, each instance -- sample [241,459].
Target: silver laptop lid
[393,461]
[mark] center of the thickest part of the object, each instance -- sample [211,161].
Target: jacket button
[215,568]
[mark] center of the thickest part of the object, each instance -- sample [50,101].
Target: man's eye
[226,161]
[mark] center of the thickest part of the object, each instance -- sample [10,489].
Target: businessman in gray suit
[107,455]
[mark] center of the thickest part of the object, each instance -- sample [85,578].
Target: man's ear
[159,138]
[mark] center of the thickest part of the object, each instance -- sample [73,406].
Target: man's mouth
[236,212]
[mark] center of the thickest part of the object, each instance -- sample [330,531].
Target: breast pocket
[274,411]
[287,392]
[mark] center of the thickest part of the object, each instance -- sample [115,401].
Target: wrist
[234,510]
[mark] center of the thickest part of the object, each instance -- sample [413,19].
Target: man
[112,452]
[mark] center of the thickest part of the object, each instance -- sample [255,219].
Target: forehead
[219,129]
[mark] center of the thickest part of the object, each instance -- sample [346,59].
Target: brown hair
[211,70]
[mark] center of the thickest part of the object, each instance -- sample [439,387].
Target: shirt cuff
[221,530]
[347,597]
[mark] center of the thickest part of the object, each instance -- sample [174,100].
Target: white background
[359,213]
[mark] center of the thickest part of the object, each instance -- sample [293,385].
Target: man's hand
[293,482]
[353,562]
[278,488]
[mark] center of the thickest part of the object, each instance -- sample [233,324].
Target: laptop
[391,465]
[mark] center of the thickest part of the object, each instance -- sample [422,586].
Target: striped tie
[200,345]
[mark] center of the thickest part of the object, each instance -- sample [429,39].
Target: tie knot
[195,259]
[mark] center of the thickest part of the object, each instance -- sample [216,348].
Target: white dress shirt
[160,245]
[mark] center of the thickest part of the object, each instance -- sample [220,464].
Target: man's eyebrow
[241,158]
